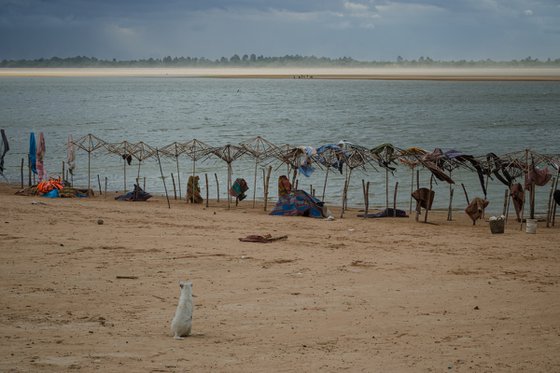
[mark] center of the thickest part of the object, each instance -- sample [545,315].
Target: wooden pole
[62,175]
[429,202]
[367,198]
[549,207]
[229,186]
[144,184]
[124,174]
[555,205]
[506,195]
[105,187]
[174,189]
[526,170]
[343,197]
[269,171]
[508,204]
[29,168]
[162,178]
[411,190]
[89,171]
[21,172]
[207,192]
[387,188]
[255,183]
[466,195]
[99,183]
[450,208]
[395,200]
[325,184]
[217,188]
[178,175]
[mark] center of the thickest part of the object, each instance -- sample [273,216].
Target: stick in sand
[21,170]
[207,192]
[163,178]
[395,200]
[429,203]
[174,189]
[217,188]
[99,183]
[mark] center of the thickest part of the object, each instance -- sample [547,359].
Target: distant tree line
[253,60]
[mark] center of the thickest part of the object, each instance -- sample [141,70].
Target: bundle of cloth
[136,195]
[238,189]
[193,190]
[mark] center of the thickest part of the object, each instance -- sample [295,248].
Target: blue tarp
[299,203]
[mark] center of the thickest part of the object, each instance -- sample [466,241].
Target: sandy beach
[375,295]
[466,74]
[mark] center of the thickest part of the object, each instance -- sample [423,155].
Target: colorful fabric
[70,155]
[32,153]
[299,203]
[4,147]
[238,189]
[41,149]
[284,186]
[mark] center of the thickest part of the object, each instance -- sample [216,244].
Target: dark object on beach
[475,209]
[100,221]
[262,239]
[557,196]
[517,196]
[136,195]
[193,190]
[4,147]
[387,213]
[299,203]
[238,189]
[425,197]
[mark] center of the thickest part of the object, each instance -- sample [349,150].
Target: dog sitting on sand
[182,322]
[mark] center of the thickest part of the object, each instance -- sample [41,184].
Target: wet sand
[386,295]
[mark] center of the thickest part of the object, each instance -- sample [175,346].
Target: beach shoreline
[450,74]
[91,284]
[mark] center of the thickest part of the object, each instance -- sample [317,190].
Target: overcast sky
[362,29]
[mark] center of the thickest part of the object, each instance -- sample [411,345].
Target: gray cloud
[363,29]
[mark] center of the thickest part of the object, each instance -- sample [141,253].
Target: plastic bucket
[531,226]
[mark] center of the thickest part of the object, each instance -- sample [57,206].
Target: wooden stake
[206,177]
[526,170]
[29,168]
[162,178]
[549,206]
[99,183]
[411,190]
[255,184]
[267,183]
[174,189]
[325,184]
[62,175]
[466,194]
[178,175]
[395,200]
[387,188]
[450,208]
[506,195]
[21,171]
[217,188]
[105,186]
[429,202]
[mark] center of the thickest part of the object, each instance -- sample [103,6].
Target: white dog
[182,322]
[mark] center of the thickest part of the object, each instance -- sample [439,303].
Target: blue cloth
[33,152]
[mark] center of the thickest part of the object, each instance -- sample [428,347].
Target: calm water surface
[474,117]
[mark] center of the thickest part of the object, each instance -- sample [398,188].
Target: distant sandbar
[462,74]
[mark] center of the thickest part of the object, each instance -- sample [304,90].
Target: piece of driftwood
[267,238]
[127,277]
